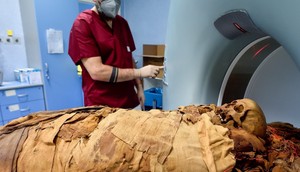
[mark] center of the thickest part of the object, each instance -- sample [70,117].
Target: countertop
[16,84]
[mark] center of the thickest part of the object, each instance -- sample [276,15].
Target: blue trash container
[153,98]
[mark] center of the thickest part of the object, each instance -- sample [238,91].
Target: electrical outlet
[16,40]
[8,40]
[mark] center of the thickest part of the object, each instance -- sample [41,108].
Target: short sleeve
[82,43]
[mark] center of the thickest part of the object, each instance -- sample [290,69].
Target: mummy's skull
[243,113]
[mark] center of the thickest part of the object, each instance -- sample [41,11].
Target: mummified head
[243,113]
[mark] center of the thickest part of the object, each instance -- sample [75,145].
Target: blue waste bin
[153,98]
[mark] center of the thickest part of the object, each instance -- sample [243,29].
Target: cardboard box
[154,55]
[154,49]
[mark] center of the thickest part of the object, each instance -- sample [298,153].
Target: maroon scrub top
[91,36]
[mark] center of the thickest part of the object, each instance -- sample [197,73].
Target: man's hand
[150,71]
[141,96]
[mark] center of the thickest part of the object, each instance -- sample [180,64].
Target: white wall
[30,33]
[148,23]
[12,56]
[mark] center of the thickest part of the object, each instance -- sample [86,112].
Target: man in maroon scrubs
[102,44]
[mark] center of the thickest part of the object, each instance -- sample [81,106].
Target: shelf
[152,56]
[160,79]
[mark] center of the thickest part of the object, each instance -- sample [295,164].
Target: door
[61,83]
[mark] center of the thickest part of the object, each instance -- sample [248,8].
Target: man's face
[109,8]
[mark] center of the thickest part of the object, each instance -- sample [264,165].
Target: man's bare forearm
[128,74]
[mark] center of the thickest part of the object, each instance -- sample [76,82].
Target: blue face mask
[109,8]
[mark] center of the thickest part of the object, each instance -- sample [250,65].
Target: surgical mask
[109,8]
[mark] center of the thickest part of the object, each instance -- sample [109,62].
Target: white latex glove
[150,71]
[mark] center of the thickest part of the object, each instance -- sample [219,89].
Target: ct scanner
[203,66]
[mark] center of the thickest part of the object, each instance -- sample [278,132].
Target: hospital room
[157,85]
